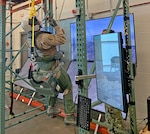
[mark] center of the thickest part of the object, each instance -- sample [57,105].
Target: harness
[36,33]
[45,82]
[57,57]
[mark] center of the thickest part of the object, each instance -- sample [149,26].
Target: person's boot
[52,111]
[70,120]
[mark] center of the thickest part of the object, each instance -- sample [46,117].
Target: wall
[142,84]
[140,9]
[99,9]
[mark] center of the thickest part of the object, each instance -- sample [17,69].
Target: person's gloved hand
[52,22]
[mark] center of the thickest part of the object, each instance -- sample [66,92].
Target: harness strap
[55,57]
[53,72]
[49,73]
[45,59]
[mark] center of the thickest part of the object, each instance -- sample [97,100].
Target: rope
[32,32]
[32,12]
[12,102]
[61,11]
[56,9]
[111,8]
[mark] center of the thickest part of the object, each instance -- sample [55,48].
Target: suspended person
[46,47]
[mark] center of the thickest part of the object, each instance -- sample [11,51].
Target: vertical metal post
[48,4]
[45,12]
[50,8]
[132,108]
[81,52]
[48,11]
[81,45]
[11,57]
[2,65]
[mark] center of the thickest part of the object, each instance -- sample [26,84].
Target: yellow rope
[32,12]
[32,32]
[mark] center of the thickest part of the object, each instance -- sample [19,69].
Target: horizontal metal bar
[109,126]
[23,113]
[98,102]
[24,6]
[28,96]
[82,77]
[26,119]
[9,50]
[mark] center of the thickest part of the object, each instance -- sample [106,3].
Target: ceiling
[16,1]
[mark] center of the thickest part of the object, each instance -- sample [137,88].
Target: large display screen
[110,70]
[94,27]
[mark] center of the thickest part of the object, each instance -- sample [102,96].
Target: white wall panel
[142,81]
[132,2]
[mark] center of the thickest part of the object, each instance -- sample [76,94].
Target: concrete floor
[41,124]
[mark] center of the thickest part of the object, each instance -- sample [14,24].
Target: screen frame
[122,70]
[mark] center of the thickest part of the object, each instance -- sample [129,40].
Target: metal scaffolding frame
[82,62]
[81,59]
[4,68]
[2,64]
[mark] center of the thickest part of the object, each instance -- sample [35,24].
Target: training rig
[84,127]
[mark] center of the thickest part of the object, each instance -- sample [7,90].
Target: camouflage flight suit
[46,46]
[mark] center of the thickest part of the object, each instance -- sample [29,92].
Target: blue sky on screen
[95,27]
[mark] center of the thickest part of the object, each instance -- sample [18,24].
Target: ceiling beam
[24,6]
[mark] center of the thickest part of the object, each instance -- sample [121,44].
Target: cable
[56,9]
[12,102]
[143,120]
[61,10]
[111,8]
